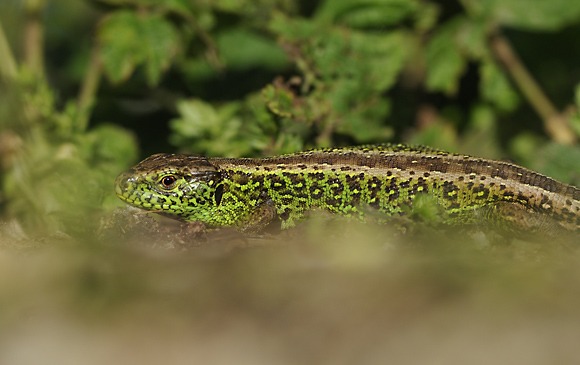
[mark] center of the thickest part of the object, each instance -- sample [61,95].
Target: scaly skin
[248,193]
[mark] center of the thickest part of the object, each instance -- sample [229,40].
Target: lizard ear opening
[219,191]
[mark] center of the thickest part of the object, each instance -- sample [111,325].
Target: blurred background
[90,87]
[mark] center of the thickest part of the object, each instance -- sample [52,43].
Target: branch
[89,88]
[555,124]
[34,37]
[8,67]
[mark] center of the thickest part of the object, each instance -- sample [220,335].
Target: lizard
[250,193]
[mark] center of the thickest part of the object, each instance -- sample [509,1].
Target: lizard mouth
[124,198]
[119,192]
[125,188]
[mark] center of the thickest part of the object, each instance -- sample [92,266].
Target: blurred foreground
[324,294]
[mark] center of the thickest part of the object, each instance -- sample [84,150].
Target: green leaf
[347,72]
[562,162]
[160,45]
[367,124]
[242,49]
[279,100]
[129,39]
[120,45]
[369,13]
[177,6]
[294,29]
[472,37]
[383,55]
[524,148]
[198,119]
[215,130]
[480,137]
[445,62]
[111,144]
[426,18]
[440,133]
[182,7]
[575,123]
[544,15]
[575,118]
[426,208]
[496,88]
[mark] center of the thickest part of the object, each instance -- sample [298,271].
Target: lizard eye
[168,181]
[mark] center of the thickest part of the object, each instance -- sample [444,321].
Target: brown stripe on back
[408,160]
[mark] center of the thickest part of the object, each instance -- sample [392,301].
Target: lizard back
[388,178]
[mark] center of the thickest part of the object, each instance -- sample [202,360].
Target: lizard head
[181,186]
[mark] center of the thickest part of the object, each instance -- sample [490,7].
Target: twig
[89,88]
[7,63]
[34,37]
[555,124]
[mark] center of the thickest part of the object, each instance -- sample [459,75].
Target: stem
[212,53]
[7,63]
[89,88]
[555,124]
[34,37]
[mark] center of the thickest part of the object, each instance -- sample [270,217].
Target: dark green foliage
[129,39]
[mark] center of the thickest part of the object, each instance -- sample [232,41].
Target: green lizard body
[251,192]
